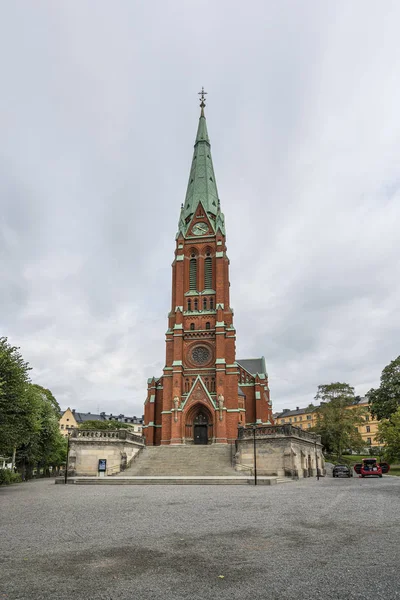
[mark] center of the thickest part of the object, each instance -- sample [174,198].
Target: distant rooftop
[83,417]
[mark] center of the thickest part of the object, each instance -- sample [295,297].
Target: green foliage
[103,425]
[336,424]
[8,476]
[29,416]
[16,413]
[44,446]
[389,434]
[385,400]
[331,391]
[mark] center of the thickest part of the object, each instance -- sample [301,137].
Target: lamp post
[316,460]
[255,454]
[66,464]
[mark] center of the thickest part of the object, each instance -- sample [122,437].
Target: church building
[205,393]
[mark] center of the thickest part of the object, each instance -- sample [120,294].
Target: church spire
[202,186]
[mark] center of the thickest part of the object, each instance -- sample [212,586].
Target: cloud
[98,113]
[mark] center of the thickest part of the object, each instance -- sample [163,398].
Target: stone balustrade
[247,432]
[117,434]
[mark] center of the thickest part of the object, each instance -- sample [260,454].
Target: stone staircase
[185,461]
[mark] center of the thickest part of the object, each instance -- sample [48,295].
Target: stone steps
[185,461]
[172,480]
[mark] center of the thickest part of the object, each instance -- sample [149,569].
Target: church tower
[204,393]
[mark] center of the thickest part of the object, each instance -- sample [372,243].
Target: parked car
[342,471]
[369,467]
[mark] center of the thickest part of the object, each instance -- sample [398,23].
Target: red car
[369,467]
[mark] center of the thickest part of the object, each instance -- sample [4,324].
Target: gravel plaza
[336,538]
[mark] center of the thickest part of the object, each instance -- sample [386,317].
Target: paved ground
[331,539]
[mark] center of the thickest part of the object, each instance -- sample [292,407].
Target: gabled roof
[292,413]
[253,365]
[82,417]
[195,383]
[202,185]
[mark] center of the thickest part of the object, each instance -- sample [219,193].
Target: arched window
[208,272]
[193,272]
[192,326]
[204,303]
[189,304]
[196,304]
[207,325]
[211,303]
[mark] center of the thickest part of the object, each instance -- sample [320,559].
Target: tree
[16,413]
[331,391]
[29,416]
[385,400]
[389,434]
[336,423]
[44,441]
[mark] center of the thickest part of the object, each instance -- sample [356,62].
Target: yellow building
[71,419]
[305,418]
[369,427]
[67,422]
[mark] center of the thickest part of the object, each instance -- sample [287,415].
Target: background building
[306,418]
[71,419]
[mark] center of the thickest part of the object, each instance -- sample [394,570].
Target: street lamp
[66,464]
[316,459]
[255,454]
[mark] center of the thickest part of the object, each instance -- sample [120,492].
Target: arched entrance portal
[199,425]
[200,429]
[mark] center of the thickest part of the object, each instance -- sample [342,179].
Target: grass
[395,470]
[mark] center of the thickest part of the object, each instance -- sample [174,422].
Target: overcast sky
[98,114]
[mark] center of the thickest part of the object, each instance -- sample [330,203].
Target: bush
[7,476]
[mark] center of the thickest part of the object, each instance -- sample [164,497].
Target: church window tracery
[208,272]
[193,273]
[201,355]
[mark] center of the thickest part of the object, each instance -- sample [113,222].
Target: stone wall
[87,447]
[284,451]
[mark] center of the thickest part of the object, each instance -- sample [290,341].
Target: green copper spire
[202,187]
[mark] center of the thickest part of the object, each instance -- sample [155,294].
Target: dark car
[341,471]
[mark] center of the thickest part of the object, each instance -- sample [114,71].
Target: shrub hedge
[7,476]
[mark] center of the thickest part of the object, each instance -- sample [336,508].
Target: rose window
[201,355]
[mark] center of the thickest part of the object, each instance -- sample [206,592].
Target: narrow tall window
[193,274]
[208,272]
[192,326]
[204,303]
[207,325]
[196,304]
[189,305]
[211,303]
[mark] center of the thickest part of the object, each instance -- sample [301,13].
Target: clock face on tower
[200,229]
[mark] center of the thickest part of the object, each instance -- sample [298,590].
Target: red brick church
[205,392]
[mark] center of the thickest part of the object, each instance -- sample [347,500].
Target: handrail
[114,469]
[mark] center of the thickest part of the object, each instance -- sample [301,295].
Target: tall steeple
[197,399]
[202,185]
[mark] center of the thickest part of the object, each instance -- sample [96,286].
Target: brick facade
[204,393]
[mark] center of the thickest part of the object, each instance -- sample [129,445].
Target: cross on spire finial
[202,95]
